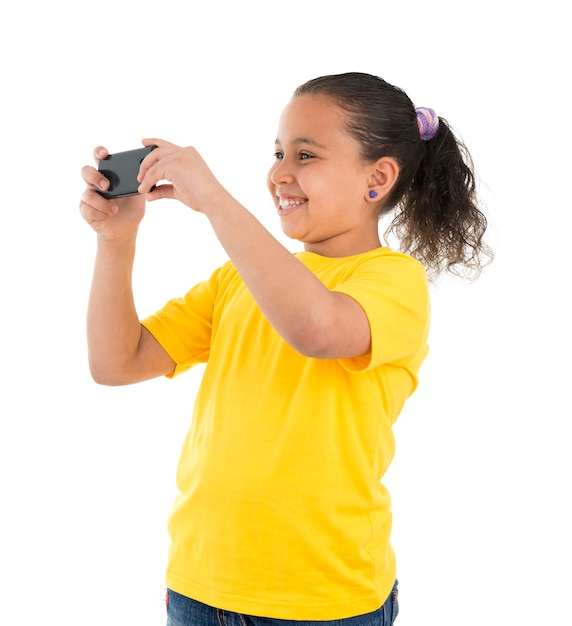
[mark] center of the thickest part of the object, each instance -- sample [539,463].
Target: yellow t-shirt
[281,511]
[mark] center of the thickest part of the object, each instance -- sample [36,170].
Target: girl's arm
[121,351]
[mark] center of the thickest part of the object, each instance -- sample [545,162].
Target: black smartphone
[121,170]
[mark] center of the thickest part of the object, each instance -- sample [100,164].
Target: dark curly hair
[437,216]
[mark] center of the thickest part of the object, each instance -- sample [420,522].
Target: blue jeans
[183,611]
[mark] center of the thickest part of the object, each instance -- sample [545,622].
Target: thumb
[161,191]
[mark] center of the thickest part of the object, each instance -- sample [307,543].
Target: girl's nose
[281,173]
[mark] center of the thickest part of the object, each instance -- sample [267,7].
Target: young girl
[309,356]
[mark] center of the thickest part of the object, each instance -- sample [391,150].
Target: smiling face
[319,182]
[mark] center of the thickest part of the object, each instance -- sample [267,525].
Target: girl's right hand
[112,220]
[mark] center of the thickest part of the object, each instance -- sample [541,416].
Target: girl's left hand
[188,177]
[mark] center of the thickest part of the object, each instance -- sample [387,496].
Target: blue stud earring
[373,194]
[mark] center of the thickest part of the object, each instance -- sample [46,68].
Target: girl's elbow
[105,376]
[103,379]
[314,344]
[332,342]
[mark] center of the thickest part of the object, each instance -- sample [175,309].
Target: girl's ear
[383,177]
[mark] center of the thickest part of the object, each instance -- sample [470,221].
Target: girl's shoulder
[383,259]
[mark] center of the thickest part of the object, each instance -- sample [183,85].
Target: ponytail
[438,220]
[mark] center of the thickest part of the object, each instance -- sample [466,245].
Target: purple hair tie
[428,123]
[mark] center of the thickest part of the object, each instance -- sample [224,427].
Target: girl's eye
[303,156]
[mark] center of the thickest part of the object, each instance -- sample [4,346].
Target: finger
[148,162]
[90,214]
[91,175]
[96,219]
[161,191]
[98,204]
[160,143]
[94,179]
[100,153]
[162,147]
[149,174]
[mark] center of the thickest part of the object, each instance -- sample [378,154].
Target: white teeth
[289,204]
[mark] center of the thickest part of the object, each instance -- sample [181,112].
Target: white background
[481,480]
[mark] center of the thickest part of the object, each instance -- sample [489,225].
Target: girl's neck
[338,248]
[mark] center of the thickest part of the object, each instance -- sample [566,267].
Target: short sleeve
[393,292]
[183,326]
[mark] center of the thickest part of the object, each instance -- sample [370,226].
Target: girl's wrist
[116,245]
[220,205]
